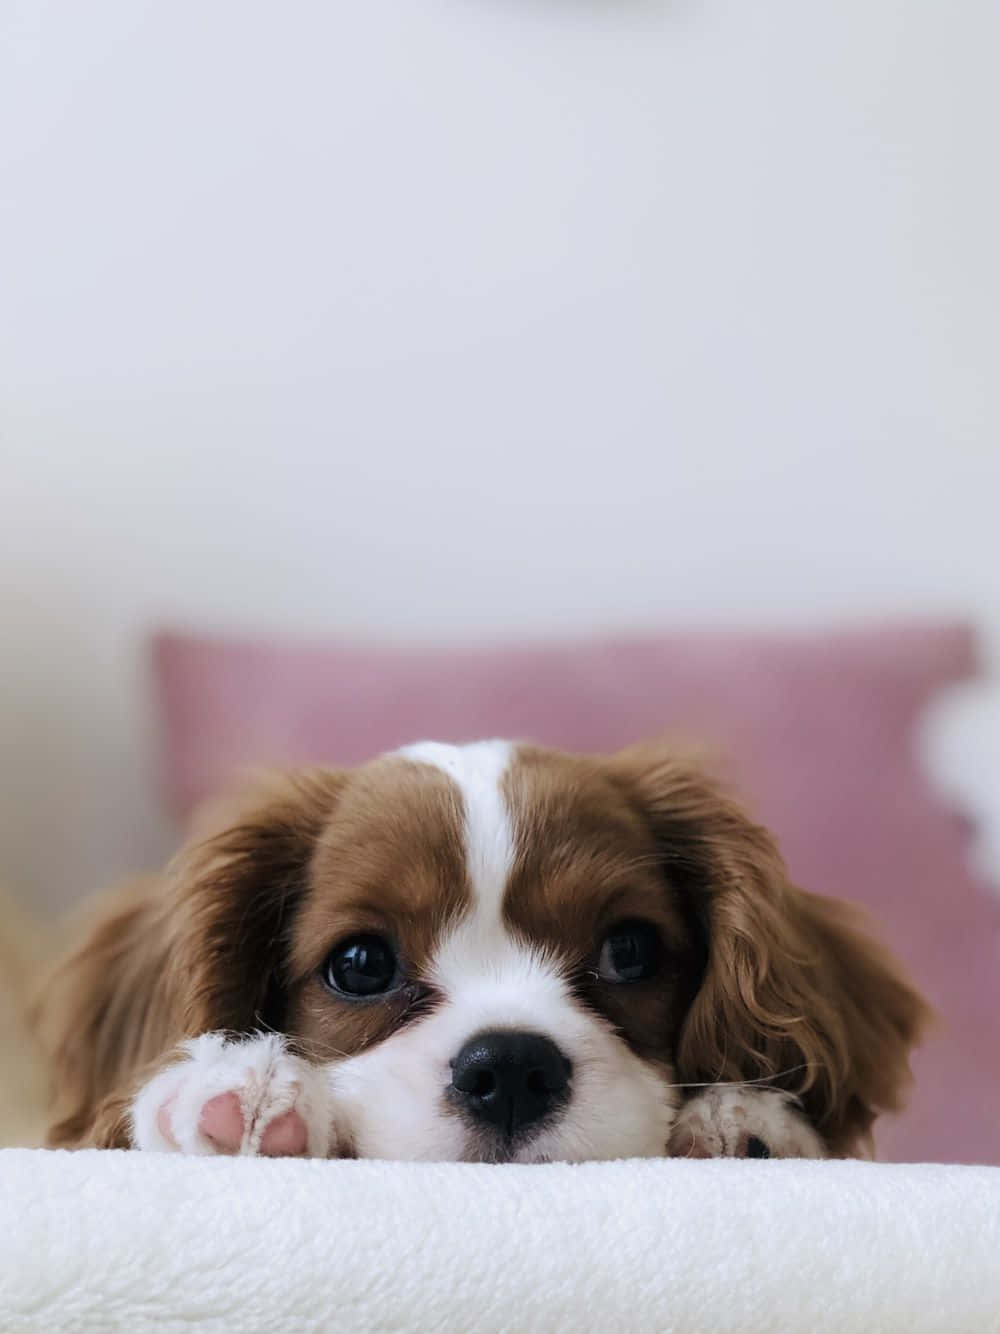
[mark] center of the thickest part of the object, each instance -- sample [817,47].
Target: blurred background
[451,327]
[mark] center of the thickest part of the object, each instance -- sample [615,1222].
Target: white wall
[474,317]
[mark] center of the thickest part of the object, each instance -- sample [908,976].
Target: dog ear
[101,1007]
[198,949]
[234,893]
[794,990]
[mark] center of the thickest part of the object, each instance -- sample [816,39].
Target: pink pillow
[817,731]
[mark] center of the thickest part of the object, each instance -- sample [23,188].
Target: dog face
[489,937]
[502,953]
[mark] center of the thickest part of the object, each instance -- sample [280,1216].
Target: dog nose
[510,1079]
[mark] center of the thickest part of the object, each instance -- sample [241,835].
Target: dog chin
[569,1144]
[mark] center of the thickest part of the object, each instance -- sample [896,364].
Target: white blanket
[114,1241]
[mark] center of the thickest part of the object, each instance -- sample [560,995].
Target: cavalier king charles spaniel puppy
[481,953]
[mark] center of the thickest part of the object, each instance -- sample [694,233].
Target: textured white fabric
[115,1241]
[959,741]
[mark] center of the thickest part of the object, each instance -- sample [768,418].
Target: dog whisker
[745,1083]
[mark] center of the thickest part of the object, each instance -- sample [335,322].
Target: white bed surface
[115,1241]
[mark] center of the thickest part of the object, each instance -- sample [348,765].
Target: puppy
[489,953]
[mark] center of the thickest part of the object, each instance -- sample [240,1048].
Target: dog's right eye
[630,953]
[361,966]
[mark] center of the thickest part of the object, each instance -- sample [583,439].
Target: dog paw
[740,1122]
[240,1096]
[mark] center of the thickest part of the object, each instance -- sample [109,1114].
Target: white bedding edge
[116,1241]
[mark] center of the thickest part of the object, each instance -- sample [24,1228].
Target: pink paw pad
[687,1144]
[285,1137]
[221,1122]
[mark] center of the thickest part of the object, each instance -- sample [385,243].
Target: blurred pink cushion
[817,732]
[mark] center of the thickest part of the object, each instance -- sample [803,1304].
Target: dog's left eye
[630,952]
[361,966]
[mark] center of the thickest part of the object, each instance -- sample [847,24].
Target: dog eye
[361,966]
[630,952]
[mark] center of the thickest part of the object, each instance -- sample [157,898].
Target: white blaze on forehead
[477,771]
[497,977]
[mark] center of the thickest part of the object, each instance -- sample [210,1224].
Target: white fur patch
[266,1078]
[477,770]
[480,951]
[719,1121]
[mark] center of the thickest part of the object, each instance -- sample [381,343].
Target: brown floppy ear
[197,949]
[794,990]
[235,891]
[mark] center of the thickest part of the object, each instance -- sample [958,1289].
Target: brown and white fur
[198,1016]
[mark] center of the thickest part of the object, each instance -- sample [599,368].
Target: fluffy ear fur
[196,949]
[794,990]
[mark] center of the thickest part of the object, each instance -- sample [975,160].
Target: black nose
[509,1080]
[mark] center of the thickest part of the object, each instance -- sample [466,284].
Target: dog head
[506,953]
